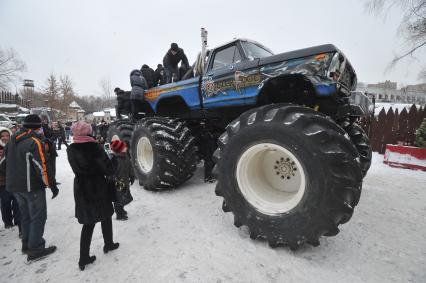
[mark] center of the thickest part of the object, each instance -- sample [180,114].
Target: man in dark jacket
[49,141]
[94,129]
[61,138]
[123,102]
[159,76]
[148,74]
[103,130]
[27,177]
[138,83]
[171,61]
[67,131]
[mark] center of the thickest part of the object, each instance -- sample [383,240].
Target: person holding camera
[93,199]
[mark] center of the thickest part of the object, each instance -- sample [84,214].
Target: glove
[55,191]
[132,180]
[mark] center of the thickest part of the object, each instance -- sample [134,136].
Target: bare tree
[106,89]
[67,93]
[107,92]
[412,27]
[10,67]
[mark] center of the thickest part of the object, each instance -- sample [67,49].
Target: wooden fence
[393,127]
[9,98]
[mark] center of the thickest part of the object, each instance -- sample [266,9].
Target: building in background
[388,92]
[75,112]
[108,115]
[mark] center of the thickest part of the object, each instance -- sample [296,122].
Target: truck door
[218,85]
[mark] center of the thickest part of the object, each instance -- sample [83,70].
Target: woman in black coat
[93,201]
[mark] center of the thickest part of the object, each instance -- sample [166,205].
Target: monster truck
[290,157]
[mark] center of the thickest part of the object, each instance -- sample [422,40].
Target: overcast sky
[91,40]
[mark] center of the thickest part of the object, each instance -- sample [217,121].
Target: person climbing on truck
[171,60]
[148,74]
[139,85]
[159,76]
[123,102]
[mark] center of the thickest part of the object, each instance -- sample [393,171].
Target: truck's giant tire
[163,153]
[289,173]
[121,129]
[362,144]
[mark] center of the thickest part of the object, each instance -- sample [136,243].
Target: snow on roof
[102,113]
[74,105]
[23,109]
[111,111]
[4,105]
[99,114]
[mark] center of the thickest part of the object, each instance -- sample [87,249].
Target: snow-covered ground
[183,236]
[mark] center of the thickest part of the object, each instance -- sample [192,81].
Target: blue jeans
[32,206]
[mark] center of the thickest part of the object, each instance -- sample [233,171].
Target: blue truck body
[240,82]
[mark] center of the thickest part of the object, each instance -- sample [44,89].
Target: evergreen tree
[421,135]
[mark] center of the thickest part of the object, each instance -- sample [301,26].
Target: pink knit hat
[81,128]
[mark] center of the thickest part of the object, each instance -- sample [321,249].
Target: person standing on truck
[148,74]
[138,83]
[171,60]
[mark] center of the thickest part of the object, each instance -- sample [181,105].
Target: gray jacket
[138,83]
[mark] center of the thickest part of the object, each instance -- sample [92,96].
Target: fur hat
[81,128]
[118,146]
[32,121]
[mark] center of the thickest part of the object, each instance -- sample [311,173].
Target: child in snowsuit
[123,175]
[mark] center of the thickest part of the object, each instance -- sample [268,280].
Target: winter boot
[35,255]
[111,247]
[122,217]
[83,262]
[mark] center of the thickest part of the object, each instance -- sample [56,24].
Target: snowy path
[183,236]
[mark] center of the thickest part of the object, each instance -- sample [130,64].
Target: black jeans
[9,208]
[32,206]
[86,237]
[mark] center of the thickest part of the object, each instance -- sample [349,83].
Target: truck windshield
[254,51]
